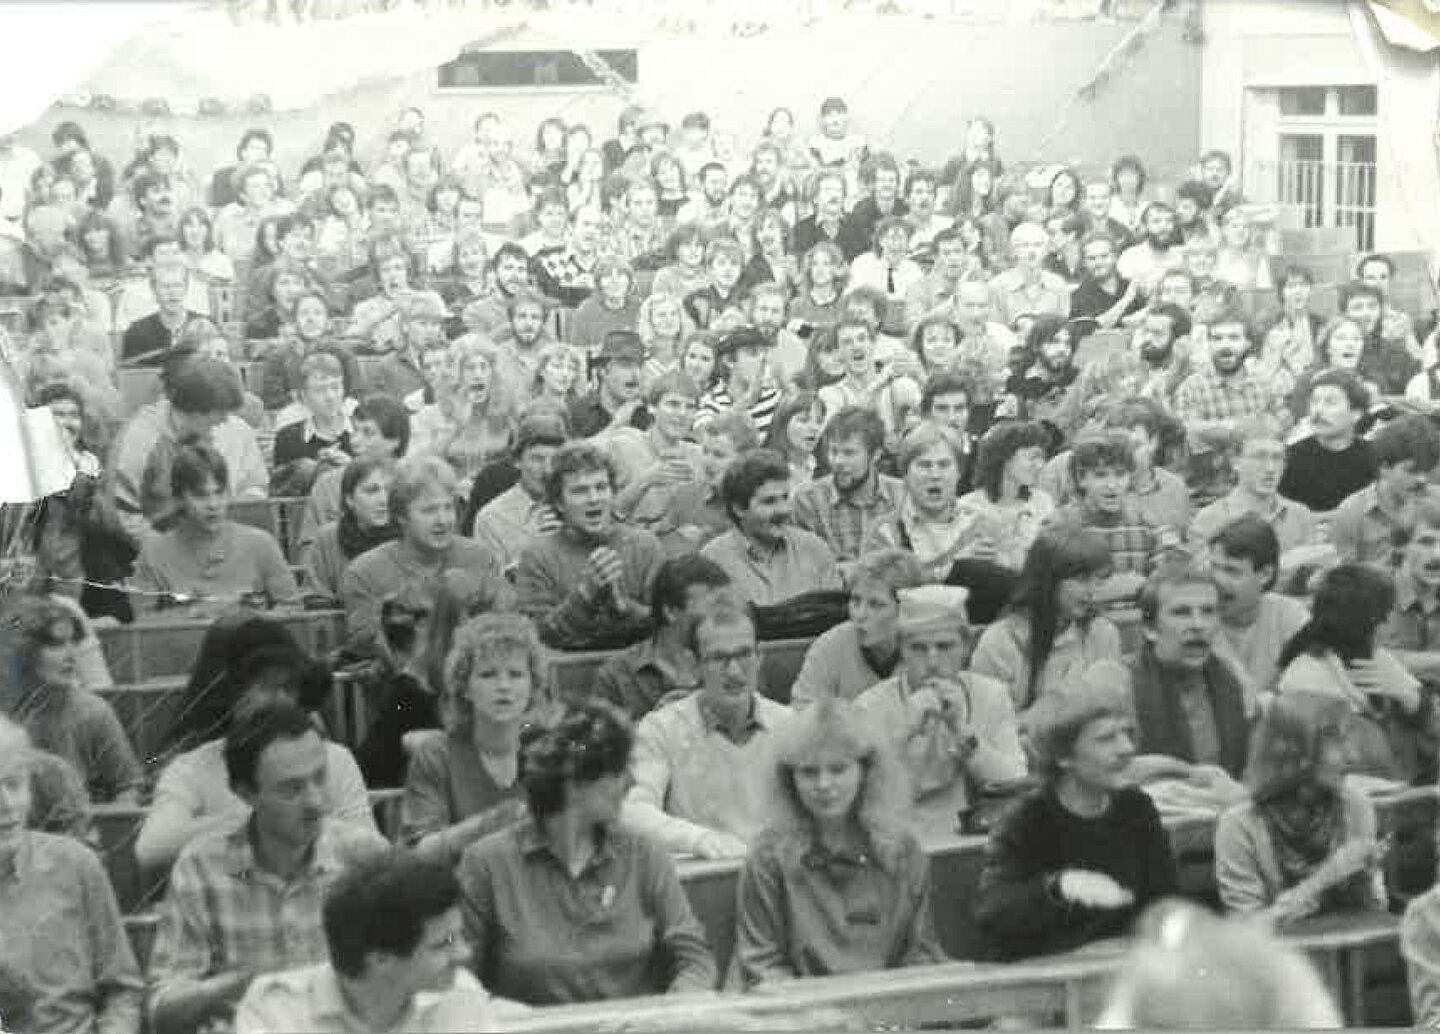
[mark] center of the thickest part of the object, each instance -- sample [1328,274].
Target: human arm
[347,797]
[362,595]
[1420,947]
[116,974]
[1111,317]
[175,817]
[762,949]
[658,743]
[276,579]
[690,964]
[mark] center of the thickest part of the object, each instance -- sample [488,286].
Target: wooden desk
[159,647]
[780,660]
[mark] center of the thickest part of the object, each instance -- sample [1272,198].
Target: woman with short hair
[365,522]
[840,848]
[864,649]
[1304,843]
[1079,858]
[568,905]
[462,783]
[1006,498]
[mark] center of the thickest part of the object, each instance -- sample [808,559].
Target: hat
[741,337]
[542,428]
[423,305]
[623,345]
[929,607]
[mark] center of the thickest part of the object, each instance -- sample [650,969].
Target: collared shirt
[310,999]
[64,934]
[1414,624]
[622,927]
[1293,522]
[1014,294]
[691,778]
[508,522]
[638,679]
[801,563]
[983,709]
[1363,530]
[1206,396]
[844,519]
[223,912]
[804,910]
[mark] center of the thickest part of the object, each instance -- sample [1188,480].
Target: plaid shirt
[224,913]
[1206,396]
[1414,624]
[1132,539]
[845,521]
[1363,530]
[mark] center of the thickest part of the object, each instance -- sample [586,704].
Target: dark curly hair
[590,741]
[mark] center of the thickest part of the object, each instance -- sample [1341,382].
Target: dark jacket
[1160,719]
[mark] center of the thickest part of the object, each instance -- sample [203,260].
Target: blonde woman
[471,425]
[559,375]
[462,781]
[662,325]
[839,848]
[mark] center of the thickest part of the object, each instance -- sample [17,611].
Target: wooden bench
[1069,989]
[164,646]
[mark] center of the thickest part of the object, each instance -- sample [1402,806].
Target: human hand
[1392,681]
[547,520]
[717,844]
[605,569]
[1093,889]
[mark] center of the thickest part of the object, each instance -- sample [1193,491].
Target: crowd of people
[1098,519]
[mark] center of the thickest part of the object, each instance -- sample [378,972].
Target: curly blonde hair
[480,639]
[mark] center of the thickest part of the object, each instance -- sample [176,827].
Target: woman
[1127,177]
[1007,470]
[935,340]
[558,371]
[842,843]
[583,190]
[613,305]
[663,326]
[469,279]
[364,524]
[307,332]
[742,382]
[972,195]
[287,282]
[340,237]
[684,272]
[1081,857]
[1064,192]
[865,649]
[470,426]
[197,239]
[1239,261]
[696,513]
[1051,634]
[547,160]
[52,660]
[206,561]
[1288,350]
[462,783]
[780,131]
[822,280]
[102,247]
[697,359]
[1335,655]
[623,926]
[795,434]
[1340,346]
[243,659]
[669,176]
[1304,843]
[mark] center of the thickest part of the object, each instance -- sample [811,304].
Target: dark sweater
[1019,915]
[1322,479]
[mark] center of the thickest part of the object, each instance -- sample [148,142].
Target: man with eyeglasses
[704,766]
[404,974]
[1259,469]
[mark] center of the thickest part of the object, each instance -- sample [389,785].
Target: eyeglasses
[721,661]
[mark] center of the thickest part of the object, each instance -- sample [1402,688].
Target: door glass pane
[1358,101]
[1355,186]
[1302,175]
[1302,100]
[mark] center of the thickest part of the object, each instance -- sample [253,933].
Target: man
[1190,706]
[651,465]
[1216,171]
[845,504]
[1365,524]
[938,287]
[1096,212]
[1027,288]
[1103,464]
[789,352]
[379,429]
[768,560]
[984,344]
[1144,261]
[422,326]
[507,523]
[137,298]
[1256,623]
[658,670]
[518,343]
[616,400]
[248,901]
[147,341]
[565,273]
[583,582]
[510,271]
[881,177]
[955,730]
[1161,340]
[1214,399]
[1396,327]
[1332,462]
[711,208]
[397,954]
[1413,631]
[202,399]
[63,931]
[703,768]
[926,221]
[1390,363]
[1259,468]
[945,400]
[320,442]
[827,222]
[1103,296]
[152,213]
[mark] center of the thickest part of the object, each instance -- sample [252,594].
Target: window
[1327,157]
[529,69]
